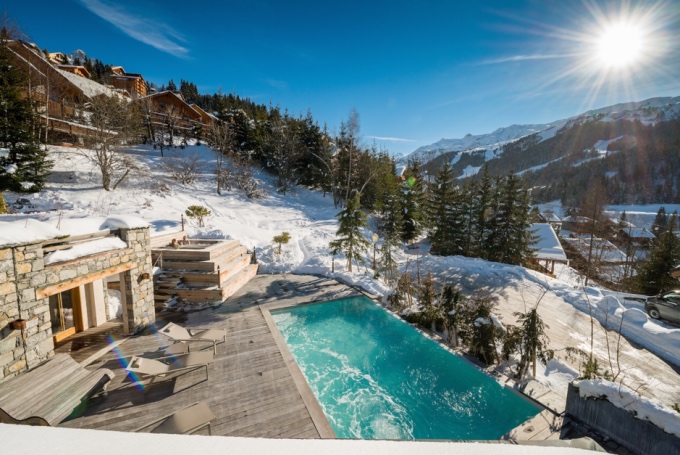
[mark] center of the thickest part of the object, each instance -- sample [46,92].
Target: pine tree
[653,275]
[412,202]
[25,166]
[465,211]
[349,239]
[440,213]
[388,264]
[533,341]
[512,238]
[660,223]
[480,206]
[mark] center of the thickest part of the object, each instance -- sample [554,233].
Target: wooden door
[65,314]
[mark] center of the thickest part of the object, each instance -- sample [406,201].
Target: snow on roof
[85,249]
[89,87]
[29,230]
[624,398]
[124,222]
[548,246]
[549,216]
[603,250]
[576,219]
[26,231]
[639,233]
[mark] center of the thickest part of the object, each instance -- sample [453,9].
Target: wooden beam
[65,286]
[73,238]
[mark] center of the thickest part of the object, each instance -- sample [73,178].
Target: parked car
[664,306]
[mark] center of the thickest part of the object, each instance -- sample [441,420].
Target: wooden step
[237,281]
[206,266]
[207,294]
[187,253]
[226,271]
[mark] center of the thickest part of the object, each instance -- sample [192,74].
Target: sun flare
[620,46]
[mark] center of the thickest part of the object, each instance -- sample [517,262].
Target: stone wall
[22,272]
[137,293]
[26,283]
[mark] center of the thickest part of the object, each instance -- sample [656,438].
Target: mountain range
[475,150]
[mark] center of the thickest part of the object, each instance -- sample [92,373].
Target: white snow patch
[115,304]
[45,439]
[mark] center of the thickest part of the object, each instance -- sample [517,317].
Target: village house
[75,69]
[637,236]
[133,83]
[548,249]
[58,93]
[53,286]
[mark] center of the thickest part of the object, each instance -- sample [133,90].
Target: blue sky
[415,72]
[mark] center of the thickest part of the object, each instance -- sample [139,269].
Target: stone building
[53,287]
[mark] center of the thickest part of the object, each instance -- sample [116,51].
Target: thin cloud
[274,83]
[148,31]
[521,58]
[391,139]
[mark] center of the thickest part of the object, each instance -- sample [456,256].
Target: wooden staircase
[202,271]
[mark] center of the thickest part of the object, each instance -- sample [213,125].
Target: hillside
[559,158]
[74,195]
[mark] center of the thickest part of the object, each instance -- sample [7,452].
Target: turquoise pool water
[378,378]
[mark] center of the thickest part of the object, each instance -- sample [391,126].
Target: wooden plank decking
[251,389]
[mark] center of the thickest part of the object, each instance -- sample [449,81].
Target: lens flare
[123,361]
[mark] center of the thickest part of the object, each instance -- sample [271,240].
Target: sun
[620,46]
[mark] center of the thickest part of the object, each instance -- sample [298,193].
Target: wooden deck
[253,389]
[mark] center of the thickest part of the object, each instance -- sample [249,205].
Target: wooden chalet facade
[169,108]
[133,83]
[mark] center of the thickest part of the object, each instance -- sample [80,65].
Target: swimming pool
[376,377]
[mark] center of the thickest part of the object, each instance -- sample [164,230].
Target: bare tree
[113,123]
[146,109]
[183,168]
[592,207]
[222,139]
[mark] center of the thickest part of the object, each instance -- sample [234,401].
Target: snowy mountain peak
[77,54]
[470,142]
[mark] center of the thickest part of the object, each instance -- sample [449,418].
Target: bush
[281,240]
[199,213]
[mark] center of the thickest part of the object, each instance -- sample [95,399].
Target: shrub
[199,213]
[281,240]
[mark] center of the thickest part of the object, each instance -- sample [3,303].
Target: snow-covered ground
[75,201]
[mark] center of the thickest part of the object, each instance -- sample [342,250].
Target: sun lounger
[181,335]
[161,367]
[50,392]
[185,421]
